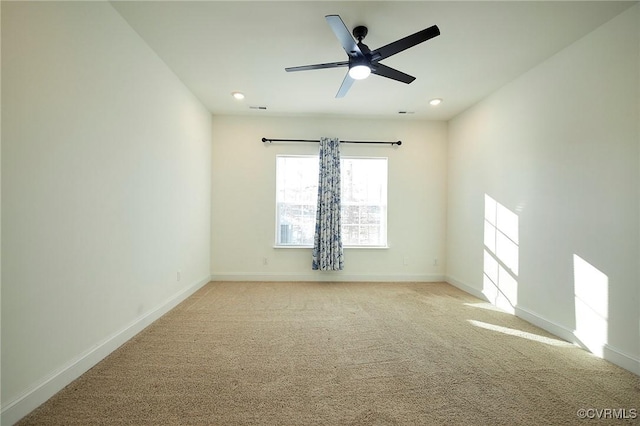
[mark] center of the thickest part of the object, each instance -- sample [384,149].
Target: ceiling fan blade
[344,36]
[405,43]
[318,66]
[345,86]
[394,74]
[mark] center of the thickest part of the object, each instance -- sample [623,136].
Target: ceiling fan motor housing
[359,60]
[360,32]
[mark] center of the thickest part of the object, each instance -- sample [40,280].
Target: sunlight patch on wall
[591,289]
[501,265]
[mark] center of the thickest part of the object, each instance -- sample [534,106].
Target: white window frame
[384,212]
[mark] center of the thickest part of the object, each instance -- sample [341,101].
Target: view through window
[363,196]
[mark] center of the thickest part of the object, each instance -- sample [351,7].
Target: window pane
[370,215]
[350,214]
[296,198]
[364,200]
[350,233]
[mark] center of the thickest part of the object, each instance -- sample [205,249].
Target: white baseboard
[550,326]
[19,407]
[328,276]
[622,359]
[466,288]
[610,353]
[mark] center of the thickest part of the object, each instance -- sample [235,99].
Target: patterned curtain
[327,242]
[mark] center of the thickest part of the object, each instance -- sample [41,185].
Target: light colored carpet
[240,353]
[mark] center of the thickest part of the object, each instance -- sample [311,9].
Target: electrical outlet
[435,261]
[265,261]
[405,260]
[178,276]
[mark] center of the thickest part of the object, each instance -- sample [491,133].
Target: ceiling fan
[363,61]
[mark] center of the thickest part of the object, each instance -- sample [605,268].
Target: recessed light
[435,101]
[237,95]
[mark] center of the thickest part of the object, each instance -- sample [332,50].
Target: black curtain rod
[316,140]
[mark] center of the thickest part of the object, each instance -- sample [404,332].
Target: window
[364,201]
[363,196]
[296,199]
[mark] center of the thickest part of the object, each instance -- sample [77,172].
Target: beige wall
[559,147]
[105,192]
[243,198]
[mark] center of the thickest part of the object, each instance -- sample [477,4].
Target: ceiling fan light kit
[363,61]
[359,72]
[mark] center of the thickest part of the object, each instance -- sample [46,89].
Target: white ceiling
[217,47]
